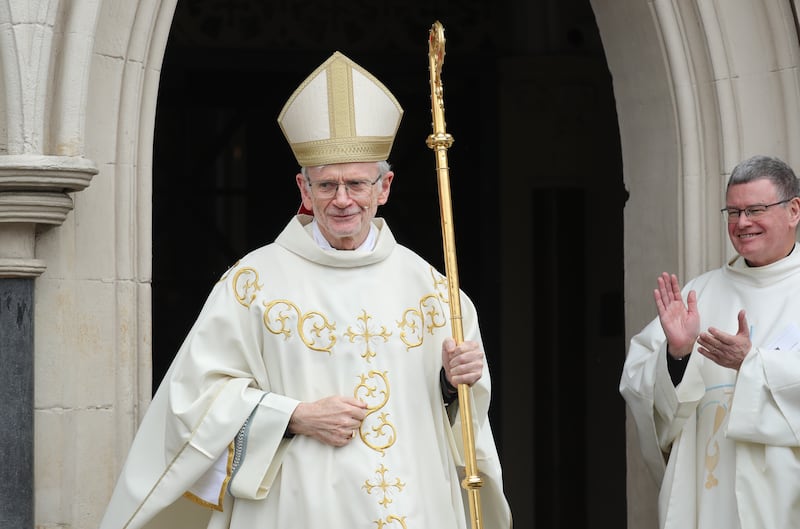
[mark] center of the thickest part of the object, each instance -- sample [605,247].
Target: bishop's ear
[305,195]
[386,184]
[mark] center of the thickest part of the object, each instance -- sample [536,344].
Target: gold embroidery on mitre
[245,286]
[339,150]
[384,486]
[367,335]
[308,325]
[376,431]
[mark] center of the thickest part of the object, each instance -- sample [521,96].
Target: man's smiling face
[764,239]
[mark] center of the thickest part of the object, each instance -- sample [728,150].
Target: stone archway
[699,86]
[79,80]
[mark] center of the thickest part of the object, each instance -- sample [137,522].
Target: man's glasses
[752,212]
[354,188]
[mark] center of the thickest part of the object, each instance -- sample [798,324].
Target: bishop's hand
[334,420]
[463,363]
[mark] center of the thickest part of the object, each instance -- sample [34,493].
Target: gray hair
[769,168]
[383,168]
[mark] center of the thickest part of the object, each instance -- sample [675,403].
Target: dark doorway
[223,184]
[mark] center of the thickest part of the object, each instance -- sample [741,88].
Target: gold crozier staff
[440,141]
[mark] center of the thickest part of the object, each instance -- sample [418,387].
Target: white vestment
[733,439]
[292,322]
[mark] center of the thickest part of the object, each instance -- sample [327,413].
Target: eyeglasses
[354,188]
[752,212]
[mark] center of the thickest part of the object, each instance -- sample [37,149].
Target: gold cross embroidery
[384,486]
[367,335]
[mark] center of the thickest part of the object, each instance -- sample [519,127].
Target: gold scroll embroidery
[712,457]
[428,317]
[367,335]
[390,519]
[440,285]
[416,321]
[376,431]
[246,286]
[312,327]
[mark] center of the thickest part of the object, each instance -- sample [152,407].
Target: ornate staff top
[440,137]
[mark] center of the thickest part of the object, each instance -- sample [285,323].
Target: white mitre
[339,114]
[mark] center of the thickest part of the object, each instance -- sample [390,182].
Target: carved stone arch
[699,86]
[78,88]
[129,44]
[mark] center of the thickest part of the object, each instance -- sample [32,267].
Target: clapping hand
[681,322]
[727,350]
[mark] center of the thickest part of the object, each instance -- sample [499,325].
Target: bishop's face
[344,198]
[766,238]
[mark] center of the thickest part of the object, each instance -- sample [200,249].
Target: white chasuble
[290,323]
[731,439]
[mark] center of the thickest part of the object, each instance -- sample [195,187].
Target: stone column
[16,402]
[33,195]
[43,60]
